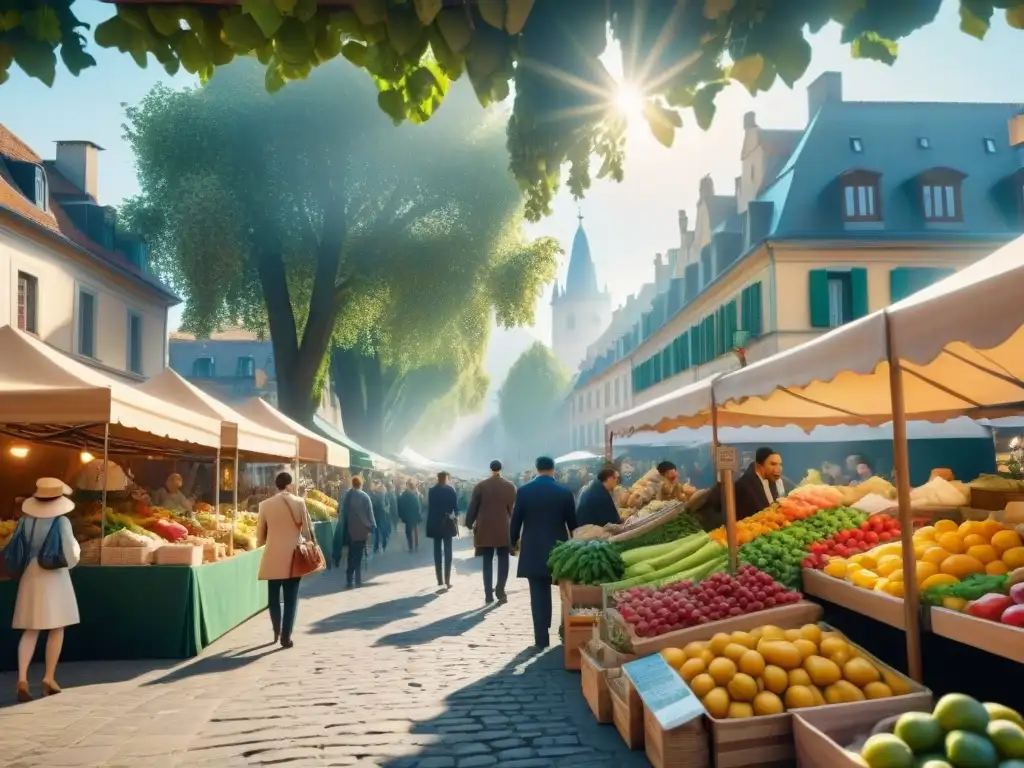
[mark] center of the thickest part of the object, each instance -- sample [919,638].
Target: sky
[627,223]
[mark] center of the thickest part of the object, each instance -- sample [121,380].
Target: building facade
[868,203]
[68,273]
[580,311]
[235,365]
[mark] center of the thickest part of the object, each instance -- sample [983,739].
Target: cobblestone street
[391,675]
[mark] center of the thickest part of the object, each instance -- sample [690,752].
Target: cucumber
[634,556]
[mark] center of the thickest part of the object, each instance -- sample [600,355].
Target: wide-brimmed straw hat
[49,500]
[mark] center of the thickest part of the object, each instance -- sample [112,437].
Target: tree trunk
[357,382]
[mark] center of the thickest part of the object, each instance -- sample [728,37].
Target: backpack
[14,557]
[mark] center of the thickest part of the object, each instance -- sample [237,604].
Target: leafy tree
[307,217]
[681,54]
[536,385]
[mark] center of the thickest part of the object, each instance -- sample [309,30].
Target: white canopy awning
[575,456]
[689,406]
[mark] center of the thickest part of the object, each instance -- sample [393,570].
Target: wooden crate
[577,634]
[994,501]
[595,688]
[786,616]
[178,555]
[579,596]
[821,733]
[682,747]
[989,636]
[876,605]
[627,711]
[125,556]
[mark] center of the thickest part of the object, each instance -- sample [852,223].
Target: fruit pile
[945,554]
[873,531]
[781,553]
[585,562]
[799,505]
[960,732]
[770,670]
[652,612]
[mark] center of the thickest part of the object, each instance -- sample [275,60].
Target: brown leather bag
[307,557]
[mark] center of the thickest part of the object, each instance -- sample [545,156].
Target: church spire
[581,281]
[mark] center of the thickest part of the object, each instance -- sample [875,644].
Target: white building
[67,274]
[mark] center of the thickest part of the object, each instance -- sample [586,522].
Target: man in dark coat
[762,483]
[544,514]
[442,525]
[382,532]
[597,507]
[489,513]
[410,515]
[355,526]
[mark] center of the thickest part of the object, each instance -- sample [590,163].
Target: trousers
[488,554]
[354,566]
[444,542]
[540,607]
[289,590]
[412,536]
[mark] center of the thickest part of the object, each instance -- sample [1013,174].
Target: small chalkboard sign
[663,692]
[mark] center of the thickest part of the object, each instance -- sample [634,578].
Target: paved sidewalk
[391,675]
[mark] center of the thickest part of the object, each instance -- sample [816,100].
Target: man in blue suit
[544,514]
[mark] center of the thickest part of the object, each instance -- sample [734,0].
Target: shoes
[488,600]
[540,645]
[287,643]
[51,689]
[502,597]
[24,695]
[277,636]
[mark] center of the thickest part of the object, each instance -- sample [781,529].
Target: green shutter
[710,347]
[684,350]
[695,358]
[752,309]
[817,288]
[731,324]
[904,281]
[899,284]
[667,365]
[859,292]
[721,343]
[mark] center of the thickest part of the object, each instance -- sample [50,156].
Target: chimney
[684,225]
[1017,135]
[749,120]
[707,188]
[79,162]
[827,88]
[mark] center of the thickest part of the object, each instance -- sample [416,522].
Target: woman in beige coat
[283,518]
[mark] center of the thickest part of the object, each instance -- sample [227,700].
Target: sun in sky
[629,101]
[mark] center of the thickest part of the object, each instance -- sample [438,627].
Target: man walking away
[391,502]
[410,515]
[544,514]
[382,529]
[597,507]
[357,518]
[489,513]
[442,525]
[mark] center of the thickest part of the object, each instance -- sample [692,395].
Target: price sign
[663,691]
[727,458]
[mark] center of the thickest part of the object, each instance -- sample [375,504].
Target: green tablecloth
[148,612]
[324,533]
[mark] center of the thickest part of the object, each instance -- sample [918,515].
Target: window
[579,408]
[135,342]
[923,142]
[203,368]
[41,197]
[597,399]
[590,399]
[245,368]
[616,392]
[856,145]
[860,196]
[28,291]
[570,322]
[840,309]
[990,146]
[86,323]
[607,394]
[940,195]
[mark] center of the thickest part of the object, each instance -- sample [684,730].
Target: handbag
[307,557]
[51,554]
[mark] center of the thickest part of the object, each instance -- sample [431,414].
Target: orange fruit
[1005,540]
[767,703]
[799,677]
[798,696]
[997,568]
[742,688]
[740,709]
[716,702]
[722,670]
[702,685]
[735,651]
[974,540]
[674,657]
[718,643]
[775,679]
[952,542]
[934,555]
[752,663]
[691,668]
[986,553]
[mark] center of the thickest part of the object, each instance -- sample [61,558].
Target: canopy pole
[728,495]
[234,504]
[901,464]
[216,482]
[103,480]
[608,439]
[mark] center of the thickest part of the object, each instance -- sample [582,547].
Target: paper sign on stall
[663,691]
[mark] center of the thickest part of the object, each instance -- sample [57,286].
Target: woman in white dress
[46,598]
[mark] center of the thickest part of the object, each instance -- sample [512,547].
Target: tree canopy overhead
[680,53]
[304,216]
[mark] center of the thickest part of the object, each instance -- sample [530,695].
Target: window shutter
[668,368]
[684,351]
[752,309]
[720,331]
[695,351]
[817,287]
[731,324]
[899,284]
[710,349]
[905,281]
[859,292]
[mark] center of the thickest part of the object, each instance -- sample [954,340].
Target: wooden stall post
[901,463]
[728,492]
[234,505]
[216,483]
[608,438]
[103,479]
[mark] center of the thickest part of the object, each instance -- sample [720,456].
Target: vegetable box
[627,710]
[989,636]
[682,747]
[821,733]
[876,605]
[594,680]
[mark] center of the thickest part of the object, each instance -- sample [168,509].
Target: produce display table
[324,533]
[153,611]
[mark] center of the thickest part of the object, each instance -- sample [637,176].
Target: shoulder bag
[51,554]
[307,557]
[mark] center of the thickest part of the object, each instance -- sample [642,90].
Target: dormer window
[990,146]
[40,189]
[856,145]
[923,142]
[861,199]
[941,199]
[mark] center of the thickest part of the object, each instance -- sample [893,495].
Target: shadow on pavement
[82,674]
[226,661]
[449,626]
[372,616]
[530,713]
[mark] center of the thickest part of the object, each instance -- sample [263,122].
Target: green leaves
[871,46]
[975,18]
[266,14]
[36,58]
[662,122]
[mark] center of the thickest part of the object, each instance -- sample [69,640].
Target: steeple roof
[581,281]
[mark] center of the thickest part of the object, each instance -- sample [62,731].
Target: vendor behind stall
[596,505]
[170,496]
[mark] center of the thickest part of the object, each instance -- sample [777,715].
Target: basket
[993,501]
[125,555]
[90,552]
[178,555]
